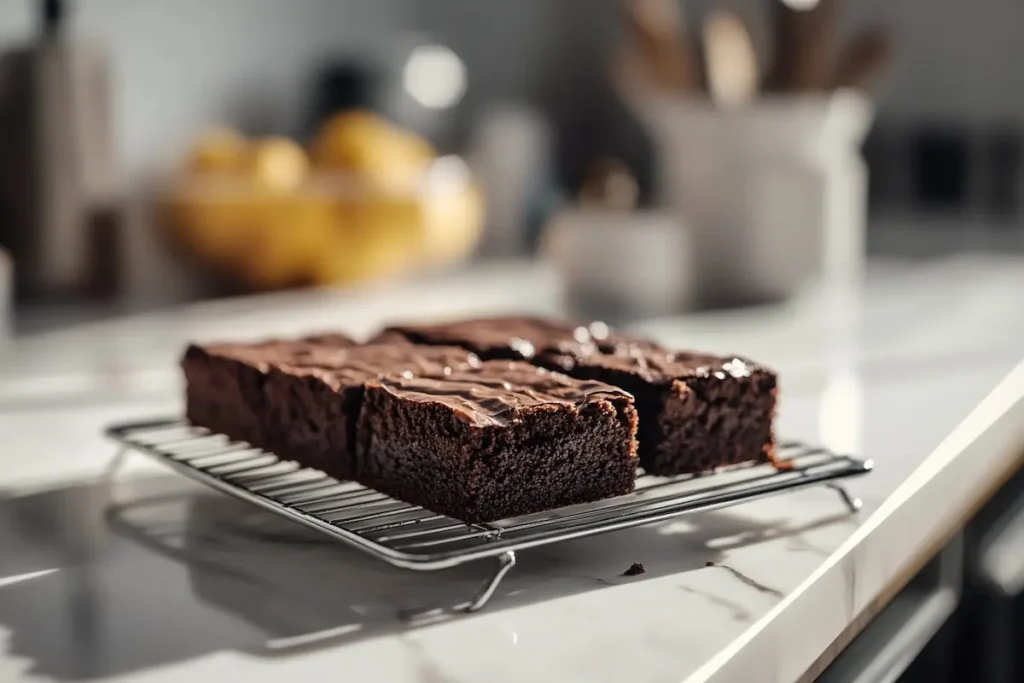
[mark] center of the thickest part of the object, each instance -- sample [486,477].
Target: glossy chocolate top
[362,363]
[335,339]
[494,393]
[324,349]
[351,364]
[517,337]
[658,365]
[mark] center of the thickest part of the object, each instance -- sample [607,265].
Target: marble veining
[756,585]
[739,612]
[243,595]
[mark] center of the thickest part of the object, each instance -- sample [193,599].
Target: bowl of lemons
[365,200]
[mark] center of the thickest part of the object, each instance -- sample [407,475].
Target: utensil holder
[775,193]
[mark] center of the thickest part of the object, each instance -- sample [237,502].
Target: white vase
[775,192]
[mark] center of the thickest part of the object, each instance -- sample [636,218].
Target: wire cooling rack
[412,537]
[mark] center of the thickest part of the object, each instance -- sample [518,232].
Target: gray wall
[180,65]
[956,58]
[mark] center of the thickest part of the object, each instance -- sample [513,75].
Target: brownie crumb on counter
[503,440]
[635,569]
[697,411]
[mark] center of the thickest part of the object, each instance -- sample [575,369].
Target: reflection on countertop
[111,577]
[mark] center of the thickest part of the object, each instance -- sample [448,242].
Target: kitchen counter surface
[143,575]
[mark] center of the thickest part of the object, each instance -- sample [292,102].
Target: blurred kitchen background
[663,156]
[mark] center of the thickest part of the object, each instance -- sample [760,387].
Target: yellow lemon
[211,226]
[453,222]
[277,164]
[367,145]
[285,239]
[218,150]
[372,238]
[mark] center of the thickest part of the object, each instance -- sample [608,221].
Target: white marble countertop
[149,578]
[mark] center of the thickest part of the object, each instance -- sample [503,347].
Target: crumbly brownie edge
[553,456]
[223,395]
[710,422]
[689,425]
[310,419]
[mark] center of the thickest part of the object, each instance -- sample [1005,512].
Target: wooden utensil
[659,45]
[863,59]
[804,45]
[732,73]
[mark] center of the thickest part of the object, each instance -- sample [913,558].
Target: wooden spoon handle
[804,41]
[661,44]
[863,59]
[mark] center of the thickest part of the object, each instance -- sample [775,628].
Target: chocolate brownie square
[504,440]
[697,411]
[224,382]
[310,410]
[517,337]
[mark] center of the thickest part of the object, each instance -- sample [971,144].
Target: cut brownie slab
[504,440]
[310,411]
[697,411]
[516,337]
[224,382]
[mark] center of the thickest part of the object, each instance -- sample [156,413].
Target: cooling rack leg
[505,562]
[852,502]
[117,462]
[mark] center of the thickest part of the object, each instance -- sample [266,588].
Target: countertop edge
[981,451]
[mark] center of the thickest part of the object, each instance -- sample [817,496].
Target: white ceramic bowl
[618,265]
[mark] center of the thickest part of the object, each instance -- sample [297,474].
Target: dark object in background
[886,155]
[59,213]
[340,86]
[940,163]
[1004,156]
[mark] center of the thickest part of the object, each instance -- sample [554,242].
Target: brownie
[310,411]
[503,440]
[517,337]
[697,411]
[224,382]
